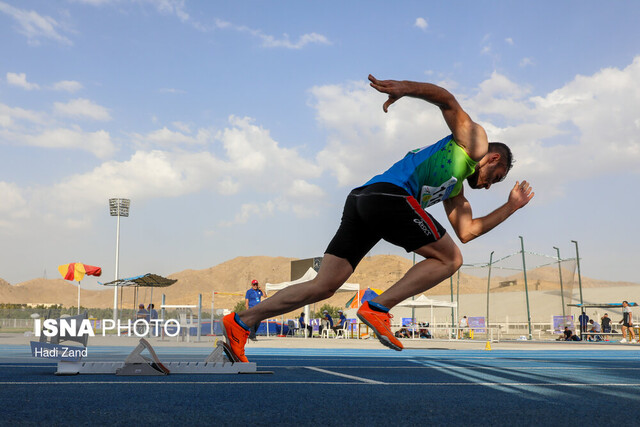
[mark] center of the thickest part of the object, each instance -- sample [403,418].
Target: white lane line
[442,368]
[338,374]
[360,382]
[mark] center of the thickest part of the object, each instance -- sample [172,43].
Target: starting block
[220,361]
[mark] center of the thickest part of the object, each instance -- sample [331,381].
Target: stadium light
[118,208]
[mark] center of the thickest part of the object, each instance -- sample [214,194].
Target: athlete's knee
[456,260]
[445,251]
[326,287]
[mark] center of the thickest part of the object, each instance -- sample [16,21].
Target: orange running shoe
[236,336]
[381,325]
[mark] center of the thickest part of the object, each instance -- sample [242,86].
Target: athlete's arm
[468,228]
[468,134]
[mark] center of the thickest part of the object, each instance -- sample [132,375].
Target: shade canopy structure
[602,305]
[76,271]
[310,274]
[148,280]
[145,280]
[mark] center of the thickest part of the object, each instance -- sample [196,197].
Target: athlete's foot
[623,340]
[380,322]
[236,336]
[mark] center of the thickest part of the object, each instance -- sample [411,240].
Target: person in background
[584,321]
[307,328]
[594,327]
[327,321]
[342,321]
[251,299]
[153,314]
[605,322]
[142,313]
[627,323]
[464,323]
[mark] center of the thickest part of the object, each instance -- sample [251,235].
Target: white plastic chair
[342,332]
[292,327]
[326,330]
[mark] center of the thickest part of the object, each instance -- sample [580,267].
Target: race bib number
[431,195]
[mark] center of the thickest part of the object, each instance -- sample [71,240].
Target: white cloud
[362,138]
[95,2]
[421,23]
[166,7]
[67,86]
[250,161]
[35,26]
[182,127]
[170,7]
[251,151]
[167,137]
[82,108]
[525,62]
[268,40]
[172,90]
[98,143]
[305,39]
[9,116]
[13,203]
[20,80]
[249,210]
[509,41]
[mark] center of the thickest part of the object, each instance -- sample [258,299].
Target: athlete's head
[493,167]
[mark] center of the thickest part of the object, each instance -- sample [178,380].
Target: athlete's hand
[393,88]
[520,195]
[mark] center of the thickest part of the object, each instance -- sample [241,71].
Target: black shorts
[382,211]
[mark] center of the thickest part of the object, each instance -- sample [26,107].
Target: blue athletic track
[311,387]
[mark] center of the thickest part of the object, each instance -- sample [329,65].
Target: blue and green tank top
[431,174]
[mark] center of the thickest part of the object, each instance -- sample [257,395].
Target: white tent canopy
[310,274]
[423,301]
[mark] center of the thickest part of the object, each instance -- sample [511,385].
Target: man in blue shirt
[342,322]
[304,326]
[584,320]
[327,321]
[253,298]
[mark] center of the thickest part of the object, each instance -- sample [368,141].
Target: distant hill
[232,278]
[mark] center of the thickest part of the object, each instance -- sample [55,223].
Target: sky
[238,128]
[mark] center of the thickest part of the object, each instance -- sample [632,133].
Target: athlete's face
[487,175]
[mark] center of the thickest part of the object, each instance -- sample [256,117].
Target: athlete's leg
[443,259]
[334,271]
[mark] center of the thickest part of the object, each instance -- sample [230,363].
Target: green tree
[239,307]
[333,311]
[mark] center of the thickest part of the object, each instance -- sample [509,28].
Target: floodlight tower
[118,208]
